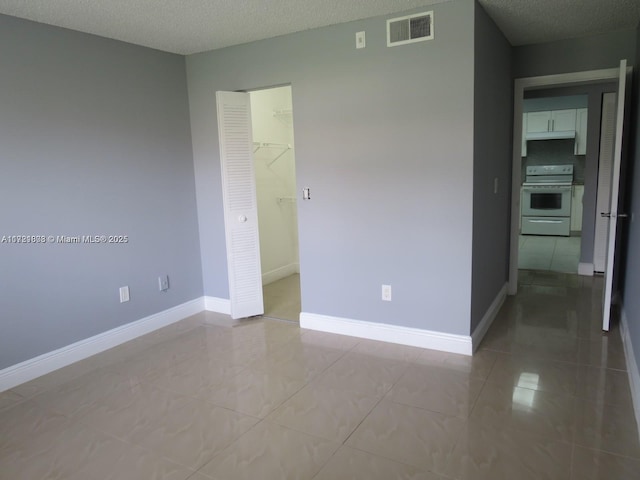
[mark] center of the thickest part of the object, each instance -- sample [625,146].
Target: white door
[239,202]
[605,168]
[614,213]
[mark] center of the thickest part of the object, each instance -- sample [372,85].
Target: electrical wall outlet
[163,283]
[386,293]
[124,294]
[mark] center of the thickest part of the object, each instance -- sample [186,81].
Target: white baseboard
[219,305]
[48,362]
[280,273]
[488,318]
[585,269]
[414,337]
[632,366]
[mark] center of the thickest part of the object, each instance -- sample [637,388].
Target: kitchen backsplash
[554,152]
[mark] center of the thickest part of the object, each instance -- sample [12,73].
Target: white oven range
[546,200]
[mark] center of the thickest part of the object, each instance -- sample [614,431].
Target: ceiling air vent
[409,29]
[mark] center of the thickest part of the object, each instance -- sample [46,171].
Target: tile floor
[545,397]
[556,254]
[282,299]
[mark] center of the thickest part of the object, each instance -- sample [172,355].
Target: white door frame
[532,83]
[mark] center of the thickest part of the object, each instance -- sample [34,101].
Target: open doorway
[548,109]
[275,175]
[558,163]
[622,74]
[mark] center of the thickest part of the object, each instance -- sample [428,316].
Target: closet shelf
[283,112]
[285,147]
[284,115]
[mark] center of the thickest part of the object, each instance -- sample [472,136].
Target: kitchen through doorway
[275,172]
[560,167]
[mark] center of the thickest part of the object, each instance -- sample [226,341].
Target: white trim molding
[586,269]
[48,362]
[488,318]
[632,366]
[219,305]
[413,337]
[280,273]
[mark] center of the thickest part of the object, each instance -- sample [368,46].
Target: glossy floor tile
[324,412]
[546,396]
[271,452]
[349,463]
[550,253]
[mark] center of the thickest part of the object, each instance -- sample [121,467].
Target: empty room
[319,239]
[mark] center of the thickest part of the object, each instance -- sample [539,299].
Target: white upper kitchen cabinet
[568,120]
[551,121]
[563,120]
[538,122]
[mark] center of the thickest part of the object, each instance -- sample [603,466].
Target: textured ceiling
[190,26]
[535,21]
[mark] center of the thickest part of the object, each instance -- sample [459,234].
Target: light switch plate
[386,293]
[360,40]
[163,283]
[124,294]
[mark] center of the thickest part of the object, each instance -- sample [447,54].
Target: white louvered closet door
[239,201]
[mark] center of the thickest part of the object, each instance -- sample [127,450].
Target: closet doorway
[275,175]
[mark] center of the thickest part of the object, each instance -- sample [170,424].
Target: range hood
[562,135]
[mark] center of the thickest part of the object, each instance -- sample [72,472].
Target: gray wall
[492,140]
[574,55]
[94,139]
[631,283]
[384,140]
[594,94]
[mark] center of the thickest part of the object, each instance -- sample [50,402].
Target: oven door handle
[544,221]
